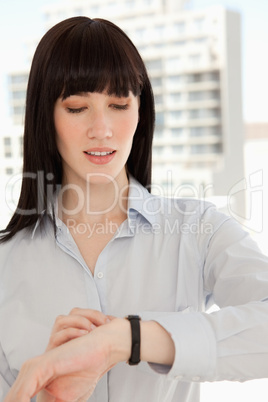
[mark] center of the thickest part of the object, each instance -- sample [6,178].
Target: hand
[70,372]
[79,322]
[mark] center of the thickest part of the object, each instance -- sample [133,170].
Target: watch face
[133,317]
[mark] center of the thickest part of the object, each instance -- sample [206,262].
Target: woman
[89,243]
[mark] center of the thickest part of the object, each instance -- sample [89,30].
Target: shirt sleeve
[6,377]
[229,344]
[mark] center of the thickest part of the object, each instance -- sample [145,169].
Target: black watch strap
[136,339]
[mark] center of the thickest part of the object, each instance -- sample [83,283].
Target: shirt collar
[140,203]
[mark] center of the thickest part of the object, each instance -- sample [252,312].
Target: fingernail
[92,326]
[83,331]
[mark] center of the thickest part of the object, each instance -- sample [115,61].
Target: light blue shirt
[167,262]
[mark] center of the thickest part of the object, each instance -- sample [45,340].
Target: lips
[100,156]
[99,153]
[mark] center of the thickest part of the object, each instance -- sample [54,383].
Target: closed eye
[120,107]
[75,110]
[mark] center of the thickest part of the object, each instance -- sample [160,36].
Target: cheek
[128,128]
[64,135]
[63,142]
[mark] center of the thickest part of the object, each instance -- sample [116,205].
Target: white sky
[20,20]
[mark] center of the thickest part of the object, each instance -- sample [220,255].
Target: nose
[99,126]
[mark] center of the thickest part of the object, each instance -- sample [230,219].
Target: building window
[173,81]
[21,145]
[175,97]
[153,65]
[176,132]
[158,151]
[213,113]
[205,148]
[158,133]
[199,24]
[216,131]
[197,131]
[19,79]
[159,31]
[160,119]
[173,64]
[180,43]
[7,141]
[217,148]
[8,154]
[9,171]
[198,41]
[196,113]
[179,27]
[199,149]
[194,60]
[196,96]
[194,77]
[177,149]
[19,94]
[19,110]
[140,33]
[214,95]
[128,4]
[158,99]
[175,115]
[211,76]
[156,82]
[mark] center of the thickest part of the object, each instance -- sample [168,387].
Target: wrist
[157,345]
[119,340]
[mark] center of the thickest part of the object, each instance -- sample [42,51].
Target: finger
[74,321]
[95,316]
[32,377]
[64,336]
[111,317]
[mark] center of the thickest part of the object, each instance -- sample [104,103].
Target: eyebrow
[83,94]
[87,95]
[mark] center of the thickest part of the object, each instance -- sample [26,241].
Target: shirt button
[197,378]
[100,275]
[179,377]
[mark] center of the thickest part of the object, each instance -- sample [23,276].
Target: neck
[95,202]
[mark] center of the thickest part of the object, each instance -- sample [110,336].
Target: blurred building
[256,175]
[10,169]
[194,62]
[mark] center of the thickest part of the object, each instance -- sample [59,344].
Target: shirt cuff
[195,345]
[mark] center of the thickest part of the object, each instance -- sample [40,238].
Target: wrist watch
[135,339]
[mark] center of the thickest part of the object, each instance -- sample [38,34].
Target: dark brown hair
[77,55]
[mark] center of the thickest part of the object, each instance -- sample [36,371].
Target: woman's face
[94,134]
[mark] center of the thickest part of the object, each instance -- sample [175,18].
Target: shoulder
[188,211]
[20,237]
[184,212]
[25,243]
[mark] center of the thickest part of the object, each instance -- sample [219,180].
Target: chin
[112,177]
[100,178]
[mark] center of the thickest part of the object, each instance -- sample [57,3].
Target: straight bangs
[97,56]
[77,55]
